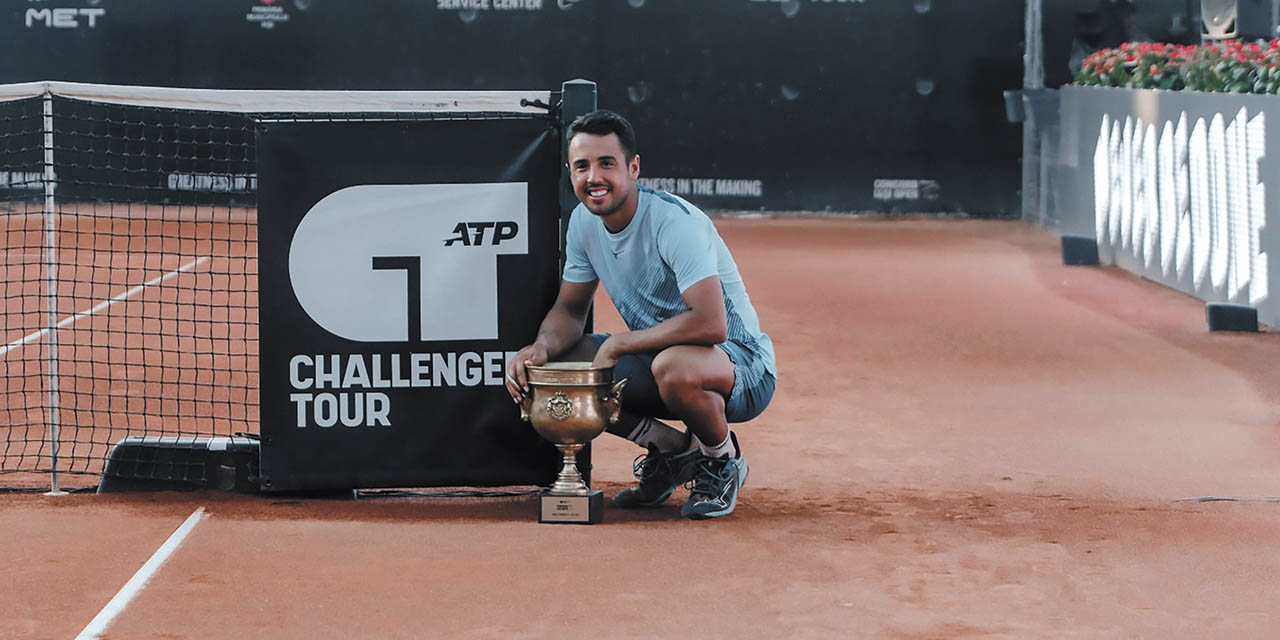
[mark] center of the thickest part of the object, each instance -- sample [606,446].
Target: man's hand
[607,355]
[517,376]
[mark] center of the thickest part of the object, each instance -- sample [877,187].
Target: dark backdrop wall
[872,105]
[1175,21]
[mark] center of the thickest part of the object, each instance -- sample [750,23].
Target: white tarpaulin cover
[280,101]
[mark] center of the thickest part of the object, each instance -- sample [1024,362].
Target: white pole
[51,288]
[1032,78]
[1033,56]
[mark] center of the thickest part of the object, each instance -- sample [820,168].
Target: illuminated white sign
[490,5]
[891,189]
[64,18]
[23,180]
[1186,198]
[731,187]
[213,182]
[816,1]
[267,14]
[408,262]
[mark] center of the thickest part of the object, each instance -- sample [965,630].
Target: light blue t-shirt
[668,246]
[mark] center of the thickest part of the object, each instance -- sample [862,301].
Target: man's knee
[676,376]
[673,379]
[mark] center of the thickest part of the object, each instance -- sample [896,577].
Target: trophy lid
[570,374]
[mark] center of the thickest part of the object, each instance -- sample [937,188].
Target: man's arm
[705,323]
[559,331]
[564,322]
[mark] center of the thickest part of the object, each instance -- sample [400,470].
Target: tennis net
[128,258]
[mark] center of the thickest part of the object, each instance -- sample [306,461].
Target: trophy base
[588,509]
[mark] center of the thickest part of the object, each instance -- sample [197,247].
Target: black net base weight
[148,463]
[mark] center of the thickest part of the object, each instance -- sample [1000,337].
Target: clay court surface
[969,440]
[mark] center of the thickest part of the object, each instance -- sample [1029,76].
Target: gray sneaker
[659,475]
[716,483]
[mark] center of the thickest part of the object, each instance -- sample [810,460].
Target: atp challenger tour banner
[400,265]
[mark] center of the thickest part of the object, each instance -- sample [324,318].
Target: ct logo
[374,263]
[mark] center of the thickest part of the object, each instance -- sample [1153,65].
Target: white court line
[139,580]
[102,305]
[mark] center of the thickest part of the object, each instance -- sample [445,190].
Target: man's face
[602,178]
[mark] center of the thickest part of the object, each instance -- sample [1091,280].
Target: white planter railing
[1178,187]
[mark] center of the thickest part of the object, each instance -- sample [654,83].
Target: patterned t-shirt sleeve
[577,267]
[685,245]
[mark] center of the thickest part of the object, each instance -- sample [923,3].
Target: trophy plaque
[569,404]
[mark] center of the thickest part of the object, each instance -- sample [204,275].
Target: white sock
[665,437]
[721,450]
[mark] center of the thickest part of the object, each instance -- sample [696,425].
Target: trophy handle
[613,401]
[526,405]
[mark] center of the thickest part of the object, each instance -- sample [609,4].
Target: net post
[51,289]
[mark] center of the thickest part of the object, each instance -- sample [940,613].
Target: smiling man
[694,350]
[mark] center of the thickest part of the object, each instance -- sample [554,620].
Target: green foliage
[1231,67]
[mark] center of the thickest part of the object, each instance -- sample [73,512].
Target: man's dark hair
[603,122]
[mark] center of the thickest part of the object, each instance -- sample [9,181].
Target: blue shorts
[752,383]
